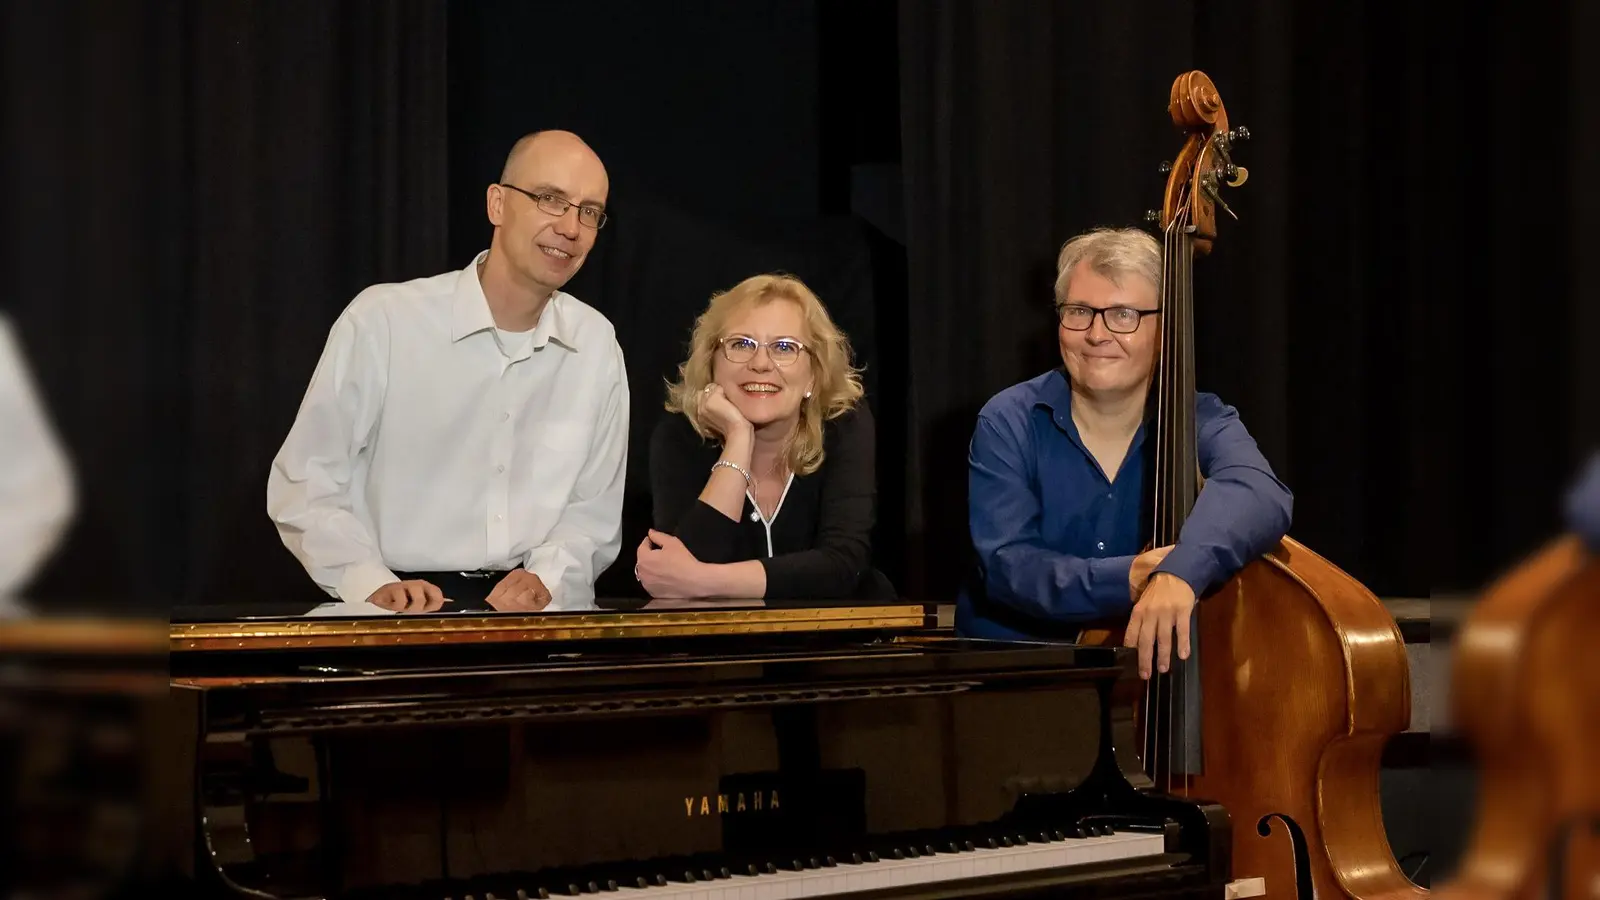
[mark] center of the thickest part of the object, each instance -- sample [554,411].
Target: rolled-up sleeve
[1243,510]
[679,469]
[309,484]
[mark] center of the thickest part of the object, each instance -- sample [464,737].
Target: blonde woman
[762,471]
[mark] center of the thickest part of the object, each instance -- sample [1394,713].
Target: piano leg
[1106,798]
[230,780]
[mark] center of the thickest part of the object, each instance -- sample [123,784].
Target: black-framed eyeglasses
[1118,319]
[557,205]
[741,349]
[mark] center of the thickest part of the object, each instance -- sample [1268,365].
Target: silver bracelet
[734,466]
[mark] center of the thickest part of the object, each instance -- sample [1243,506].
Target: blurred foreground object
[83,705]
[1527,696]
[36,486]
[1583,505]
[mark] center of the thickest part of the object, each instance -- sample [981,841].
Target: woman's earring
[808,395]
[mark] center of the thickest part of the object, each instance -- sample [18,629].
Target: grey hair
[1112,252]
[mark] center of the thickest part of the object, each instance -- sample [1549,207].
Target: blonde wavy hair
[837,387]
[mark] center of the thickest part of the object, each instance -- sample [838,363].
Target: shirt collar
[469,313]
[1055,395]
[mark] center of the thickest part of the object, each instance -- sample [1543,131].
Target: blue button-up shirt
[1583,505]
[1055,538]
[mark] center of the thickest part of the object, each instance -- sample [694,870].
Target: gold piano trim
[405,630]
[82,635]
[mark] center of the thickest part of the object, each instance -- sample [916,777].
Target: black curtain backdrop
[1399,189]
[195,188]
[1511,233]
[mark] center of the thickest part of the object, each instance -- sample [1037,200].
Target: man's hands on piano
[666,568]
[1162,610]
[408,597]
[519,591]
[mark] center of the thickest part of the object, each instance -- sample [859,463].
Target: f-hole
[1302,857]
[1556,880]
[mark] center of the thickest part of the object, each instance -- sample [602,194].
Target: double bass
[1301,672]
[1525,693]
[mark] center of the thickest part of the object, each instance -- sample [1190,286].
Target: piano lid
[677,619]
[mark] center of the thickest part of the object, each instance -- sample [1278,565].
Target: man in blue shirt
[1057,479]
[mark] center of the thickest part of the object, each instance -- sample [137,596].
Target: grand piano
[682,752]
[699,753]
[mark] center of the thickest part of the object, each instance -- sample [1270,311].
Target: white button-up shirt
[429,440]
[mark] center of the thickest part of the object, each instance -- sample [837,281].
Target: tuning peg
[1209,185]
[1166,167]
[1151,215]
[1239,134]
[1237,175]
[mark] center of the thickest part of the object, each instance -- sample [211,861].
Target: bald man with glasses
[463,441]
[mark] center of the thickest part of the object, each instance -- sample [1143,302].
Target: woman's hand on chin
[720,415]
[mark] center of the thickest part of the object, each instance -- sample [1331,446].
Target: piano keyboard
[809,876]
[890,873]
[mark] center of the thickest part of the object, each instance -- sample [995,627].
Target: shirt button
[504,416]
[1111,496]
[498,518]
[1100,545]
[500,468]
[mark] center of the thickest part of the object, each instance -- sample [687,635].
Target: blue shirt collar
[1055,395]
